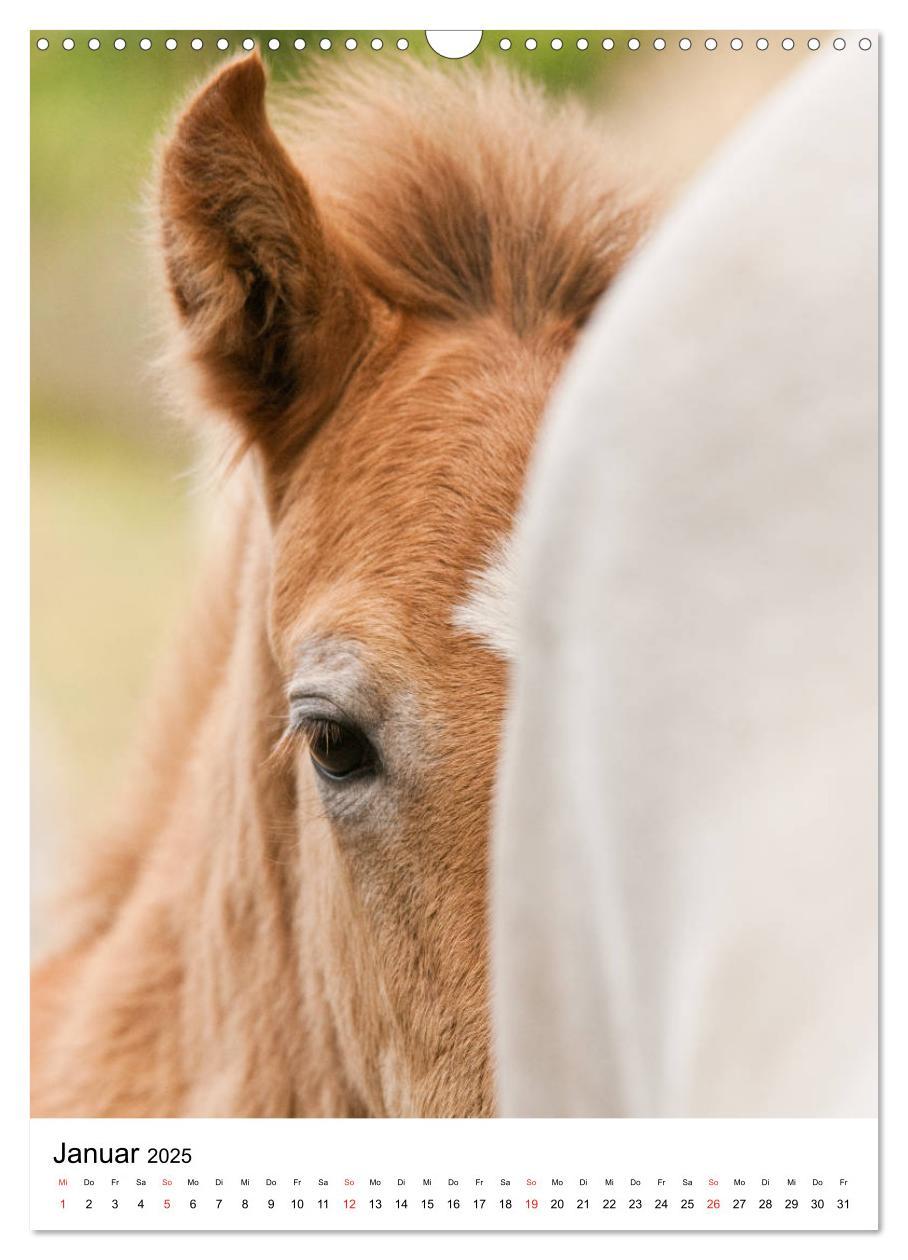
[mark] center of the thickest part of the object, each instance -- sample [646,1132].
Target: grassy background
[112,519]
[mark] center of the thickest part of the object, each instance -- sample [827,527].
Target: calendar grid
[479,1175]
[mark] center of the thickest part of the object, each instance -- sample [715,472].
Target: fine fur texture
[379,304]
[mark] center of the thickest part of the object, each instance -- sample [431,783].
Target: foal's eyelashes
[338,752]
[338,748]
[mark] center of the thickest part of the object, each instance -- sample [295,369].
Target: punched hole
[453,44]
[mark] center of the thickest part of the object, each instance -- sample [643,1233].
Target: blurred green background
[112,507]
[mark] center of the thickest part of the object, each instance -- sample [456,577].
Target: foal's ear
[274,318]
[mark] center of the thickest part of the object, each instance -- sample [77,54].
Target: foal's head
[382,307]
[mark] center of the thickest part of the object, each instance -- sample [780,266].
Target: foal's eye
[338,751]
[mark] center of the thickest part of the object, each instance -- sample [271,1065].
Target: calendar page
[454,630]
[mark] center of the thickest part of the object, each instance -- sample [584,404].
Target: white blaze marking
[489,612]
